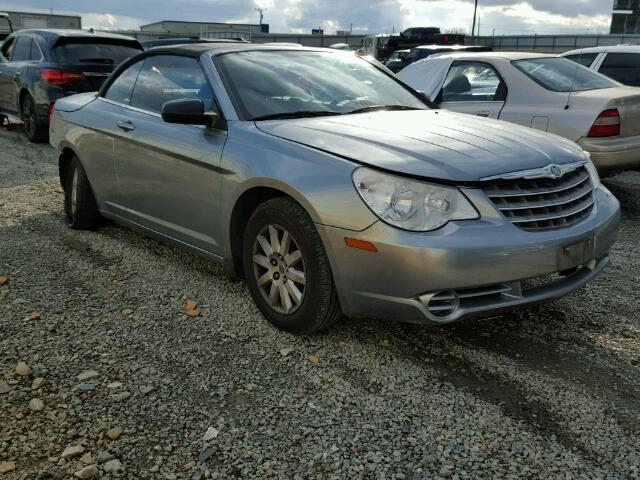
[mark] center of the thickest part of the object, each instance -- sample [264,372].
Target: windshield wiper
[376,108]
[298,114]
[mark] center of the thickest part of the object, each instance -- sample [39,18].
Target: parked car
[166,42]
[37,67]
[395,60]
[425,51]
[545,92]
[332,187]
[621,62]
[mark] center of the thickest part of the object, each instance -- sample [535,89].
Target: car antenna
[573,80]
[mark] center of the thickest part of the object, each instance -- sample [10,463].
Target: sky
[502,17]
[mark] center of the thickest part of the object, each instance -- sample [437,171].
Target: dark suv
[39,66]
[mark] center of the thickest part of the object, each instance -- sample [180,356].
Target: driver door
[168,174]
[475,88]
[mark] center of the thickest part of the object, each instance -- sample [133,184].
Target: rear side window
[122,87]
[623,67]
[473,82]
[22,49]
[167,77]
[78,52]
[562,75]
[585,59]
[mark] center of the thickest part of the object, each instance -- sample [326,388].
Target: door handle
[485,113]
[126,126]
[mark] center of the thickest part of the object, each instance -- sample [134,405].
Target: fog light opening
[443,305]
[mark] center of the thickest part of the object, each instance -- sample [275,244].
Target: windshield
[287,84]
[562,75]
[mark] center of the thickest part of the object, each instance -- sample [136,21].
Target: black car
[424,51]
[39,66]
[165,42]
[395,63]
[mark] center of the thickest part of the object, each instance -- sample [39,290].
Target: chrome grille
[543,203]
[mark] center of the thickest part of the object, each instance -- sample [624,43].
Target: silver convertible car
[331,187]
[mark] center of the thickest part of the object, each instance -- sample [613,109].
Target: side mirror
[188,111]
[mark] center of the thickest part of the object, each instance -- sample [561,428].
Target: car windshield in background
[562,75]
[289,84]
[78,52]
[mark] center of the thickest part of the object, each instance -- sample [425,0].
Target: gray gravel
[118,382]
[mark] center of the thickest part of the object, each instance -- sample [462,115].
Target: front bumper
[471,268]
[616,153]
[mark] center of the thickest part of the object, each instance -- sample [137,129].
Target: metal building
[22,20]
[205,29]
[626,17]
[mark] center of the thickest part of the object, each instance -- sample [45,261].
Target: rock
[114,433]
[6,467]
[191,309]
[314,360]
[88,375]
[86,459]
[36,405]
[89,471]
[3,281]
[103,456]
[37,383]
[190,465]
[285,351]
[147,389]
[86,387]
[114,385]
[4,388]
[210,434]
[33,316]
[127,311]
[72,451]
[23,369]
[118,397]
[206,454]
[113,466]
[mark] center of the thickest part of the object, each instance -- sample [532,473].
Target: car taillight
[61,77]
[606,125]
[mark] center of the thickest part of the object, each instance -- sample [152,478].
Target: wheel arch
[247,200]
[64,162]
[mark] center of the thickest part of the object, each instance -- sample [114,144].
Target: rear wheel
[79,203]
[287,269]
[34,129]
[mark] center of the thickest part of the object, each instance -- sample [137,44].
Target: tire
[79,203]
[317,307]
[35,131]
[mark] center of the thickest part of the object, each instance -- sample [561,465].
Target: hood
[433,144]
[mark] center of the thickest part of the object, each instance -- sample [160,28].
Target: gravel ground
[117,382]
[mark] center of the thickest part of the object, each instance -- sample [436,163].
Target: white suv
[621,62]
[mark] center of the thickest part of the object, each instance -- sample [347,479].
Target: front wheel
[34,129]
[287,269]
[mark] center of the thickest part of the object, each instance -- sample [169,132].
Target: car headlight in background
[410,204]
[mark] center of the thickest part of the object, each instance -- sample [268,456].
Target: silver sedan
[331,187]
[541,91]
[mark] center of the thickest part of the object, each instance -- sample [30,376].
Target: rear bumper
[617,153]
[487,266]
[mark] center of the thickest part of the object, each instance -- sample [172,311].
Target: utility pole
[475,12]
[261,12]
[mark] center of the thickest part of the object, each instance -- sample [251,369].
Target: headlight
[410,204]
[593,171]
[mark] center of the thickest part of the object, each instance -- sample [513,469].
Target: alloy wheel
[74,191]
[279,269]
[29,117]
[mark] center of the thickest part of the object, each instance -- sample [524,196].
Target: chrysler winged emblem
[550,171]
[553,171]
